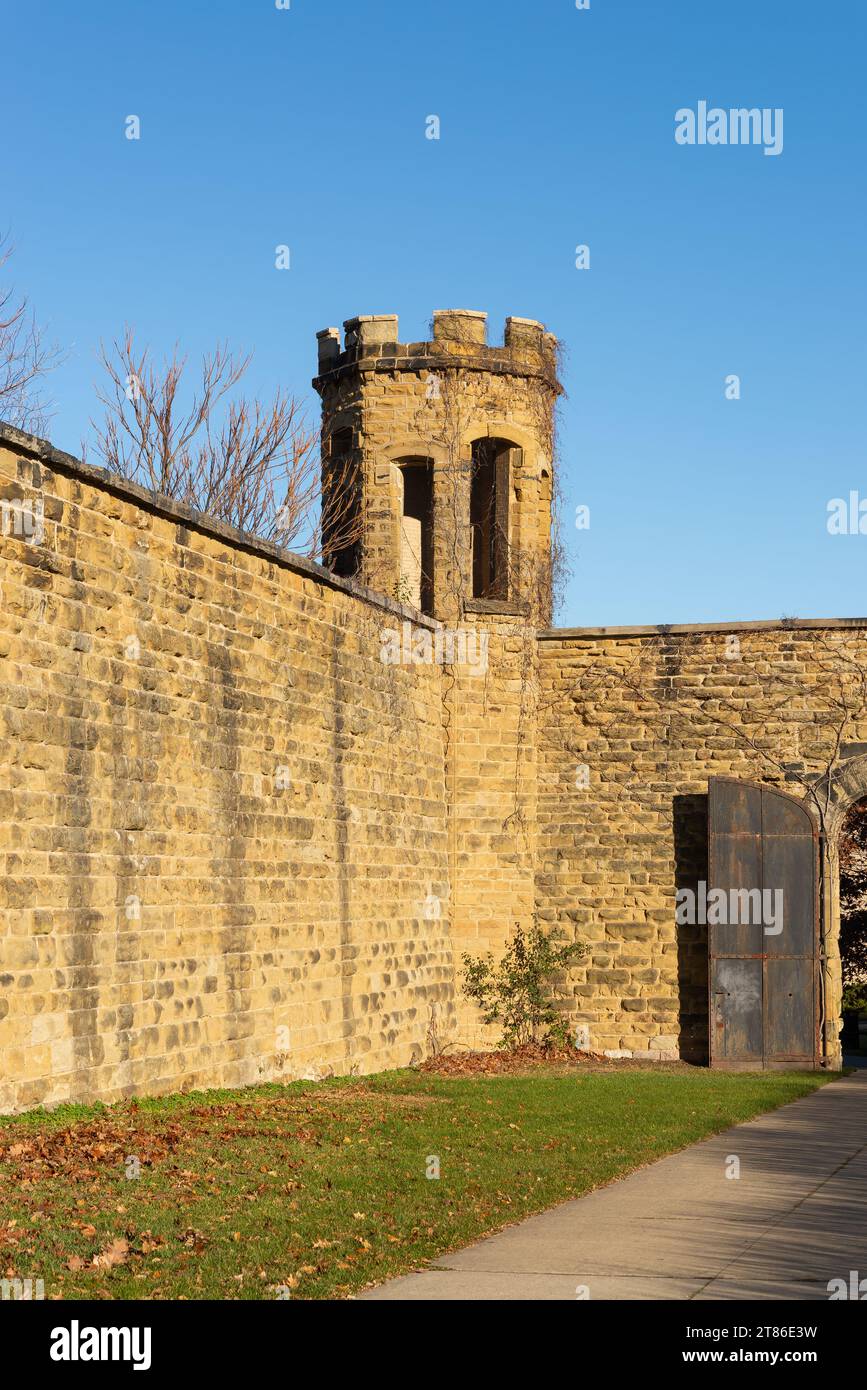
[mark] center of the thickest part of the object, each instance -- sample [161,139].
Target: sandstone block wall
[631,725]
[222,817]
[491,727]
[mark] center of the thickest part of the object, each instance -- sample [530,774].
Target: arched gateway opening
[844,813]
[852,852]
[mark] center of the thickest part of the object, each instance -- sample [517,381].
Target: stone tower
[446,447]
[437,458]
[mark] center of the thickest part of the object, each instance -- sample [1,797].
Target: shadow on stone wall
[691,866]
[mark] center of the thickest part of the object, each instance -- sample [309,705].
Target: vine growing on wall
[820,714]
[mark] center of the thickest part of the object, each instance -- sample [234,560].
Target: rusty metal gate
[764,974]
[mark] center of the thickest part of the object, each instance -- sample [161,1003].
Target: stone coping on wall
[45,453]
[591,634]
[506,607]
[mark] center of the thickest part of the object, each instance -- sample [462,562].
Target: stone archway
[849,785]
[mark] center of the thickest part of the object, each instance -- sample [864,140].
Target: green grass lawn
[321,1188]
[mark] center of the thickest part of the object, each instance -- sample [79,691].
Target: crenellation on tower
[460,326]
[371,343]
[328,341]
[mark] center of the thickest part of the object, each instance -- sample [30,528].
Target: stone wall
[632,723]
[223,816]
[238,845]
[492,759]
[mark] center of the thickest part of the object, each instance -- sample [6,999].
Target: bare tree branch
[251,464]
[25,360]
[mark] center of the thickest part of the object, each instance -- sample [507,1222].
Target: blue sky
[307,127]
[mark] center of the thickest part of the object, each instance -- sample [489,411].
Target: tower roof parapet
[371,343]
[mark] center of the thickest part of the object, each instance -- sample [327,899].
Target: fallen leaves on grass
[196,1241]
[516,1059]
[117,1253]
[80,1151]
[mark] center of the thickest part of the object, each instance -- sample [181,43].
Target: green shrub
[520,991]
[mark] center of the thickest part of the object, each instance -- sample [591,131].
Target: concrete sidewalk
[680,1229]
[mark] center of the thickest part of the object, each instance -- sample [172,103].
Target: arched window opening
[493,464]
[416,533]
[341,506]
